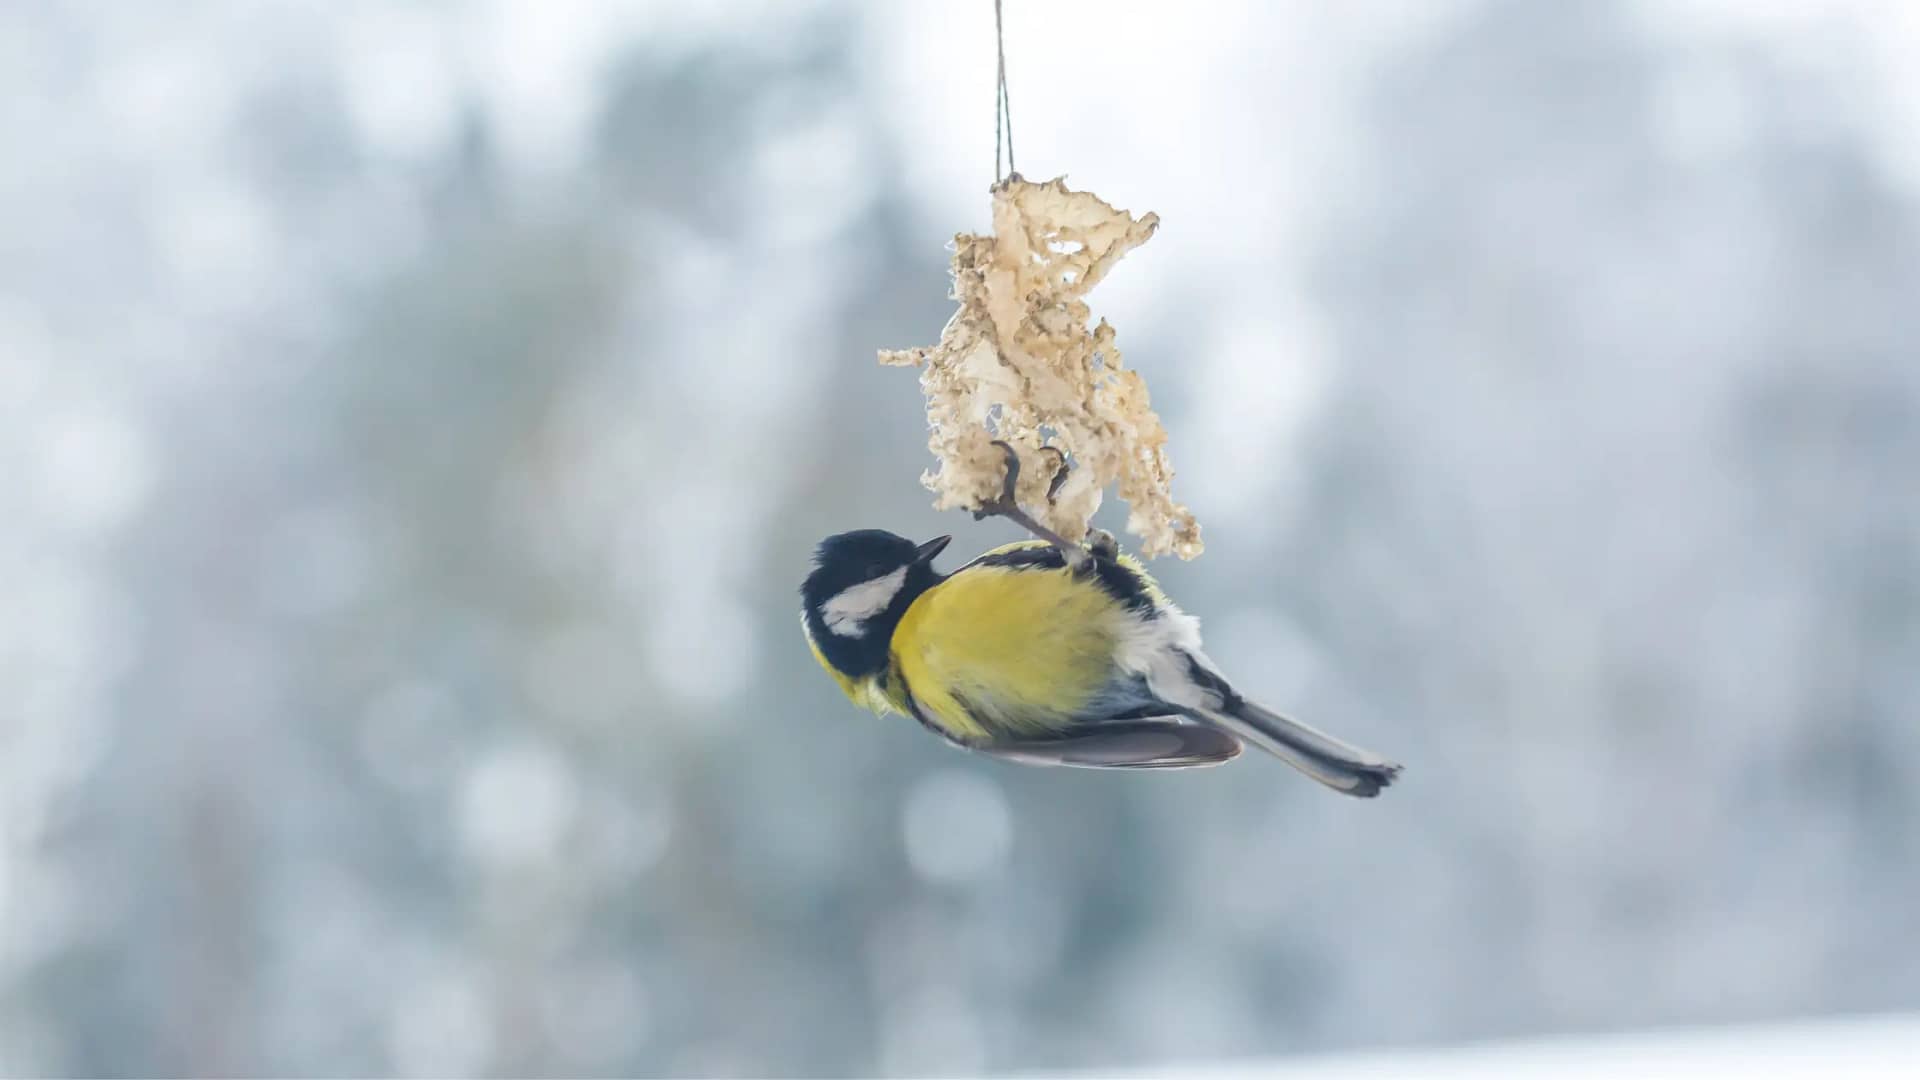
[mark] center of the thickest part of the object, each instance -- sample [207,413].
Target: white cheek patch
[847,613]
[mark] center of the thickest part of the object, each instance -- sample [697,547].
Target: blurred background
[416,419]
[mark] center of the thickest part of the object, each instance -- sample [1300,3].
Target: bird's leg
[1099,541]
[1008,506]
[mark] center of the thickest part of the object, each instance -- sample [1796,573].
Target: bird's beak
[925,552]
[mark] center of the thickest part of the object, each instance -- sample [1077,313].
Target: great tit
[1045,652]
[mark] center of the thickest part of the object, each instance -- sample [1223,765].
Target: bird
[1045,652]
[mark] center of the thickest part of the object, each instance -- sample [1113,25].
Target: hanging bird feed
[1018,363]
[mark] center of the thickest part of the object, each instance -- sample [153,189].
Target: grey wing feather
[1124,744]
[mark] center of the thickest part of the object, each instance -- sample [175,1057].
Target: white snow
[1854,1048]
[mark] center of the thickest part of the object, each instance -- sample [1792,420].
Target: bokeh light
[416,420]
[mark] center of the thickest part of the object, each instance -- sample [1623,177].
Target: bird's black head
[861,584]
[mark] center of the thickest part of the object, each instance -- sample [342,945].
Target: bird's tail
[1344,768]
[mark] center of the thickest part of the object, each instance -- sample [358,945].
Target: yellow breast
[995,650]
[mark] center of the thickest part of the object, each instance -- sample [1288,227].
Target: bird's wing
[1124,744]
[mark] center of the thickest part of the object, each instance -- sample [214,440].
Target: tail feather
[1340,766]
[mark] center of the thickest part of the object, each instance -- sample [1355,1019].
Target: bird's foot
[1008,506]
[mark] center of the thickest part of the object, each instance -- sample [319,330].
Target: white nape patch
[1158,648]
[847,612]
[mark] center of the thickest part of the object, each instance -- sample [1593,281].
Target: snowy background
[416,418]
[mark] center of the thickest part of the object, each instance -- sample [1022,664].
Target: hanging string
[1002,102]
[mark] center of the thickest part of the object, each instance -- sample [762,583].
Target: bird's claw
[1059,473]
[1008,502]
[1009,488]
